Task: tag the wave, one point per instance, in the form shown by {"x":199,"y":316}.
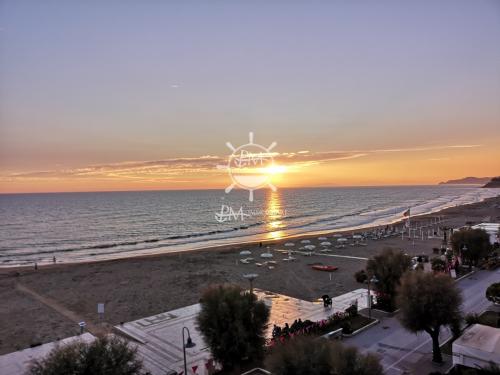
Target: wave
{"x":131,"y":243}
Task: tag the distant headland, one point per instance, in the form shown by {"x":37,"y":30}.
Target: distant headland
{"x":494,"y":183}
{"x":468,"y":181}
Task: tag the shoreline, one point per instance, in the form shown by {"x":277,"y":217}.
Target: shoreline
{"x":136,"y":287}
{"x":235,"y":242}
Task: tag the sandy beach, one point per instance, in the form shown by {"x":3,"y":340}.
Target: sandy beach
{"x":46,"y":304}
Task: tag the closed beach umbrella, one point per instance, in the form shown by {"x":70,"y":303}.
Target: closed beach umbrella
{"x":289,"y":244}
{"x":245,"y":252}
{"x":266,"y":255}
{"x":309,"y":247}
{"x":325,"y":243}
{"x":305,"y":241}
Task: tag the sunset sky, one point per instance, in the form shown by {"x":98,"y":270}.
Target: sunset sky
{"x":133,"y":95}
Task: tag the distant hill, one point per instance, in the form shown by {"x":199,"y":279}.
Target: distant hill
{"x":468,"y":181}
{"x":494,"y":183}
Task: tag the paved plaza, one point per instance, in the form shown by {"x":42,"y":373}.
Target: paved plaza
{"x":159,"y":337}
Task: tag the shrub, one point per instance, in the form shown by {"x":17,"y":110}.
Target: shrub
{"x":361,"y":276}
{"x":103,"y":356}
{"x":491,"y":264}
{"x":493,"y":293}
{"x":352,"y":311}
{"x":310,"y":356}
{"x":477,"y":242}
{"x":471,"y":318}
{"x":346,"y":327}
{"x":438,"y":264}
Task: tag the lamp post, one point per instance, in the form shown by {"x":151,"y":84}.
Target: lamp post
{"x":373,"y":280}
{"x":464,"y":252}
{"x":188,"y":344}
{"x":250,"y":277}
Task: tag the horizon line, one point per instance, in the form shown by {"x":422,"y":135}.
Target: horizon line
{"x":212,"y":189}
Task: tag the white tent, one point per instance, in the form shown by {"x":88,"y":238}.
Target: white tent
{"x":478,"y":346}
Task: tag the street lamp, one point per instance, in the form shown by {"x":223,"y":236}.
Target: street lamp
{"x":188,"y":344}
{"x":250,"y":277}
{"x":373,"y":280}
{"x":464,"y":252}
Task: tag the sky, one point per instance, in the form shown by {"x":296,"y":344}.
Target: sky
{"x":139,"y":95}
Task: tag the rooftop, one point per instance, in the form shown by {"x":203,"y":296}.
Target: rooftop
{"x":484,"y":338}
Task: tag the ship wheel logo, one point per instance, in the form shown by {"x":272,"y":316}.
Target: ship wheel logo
{"x":248,"y":165}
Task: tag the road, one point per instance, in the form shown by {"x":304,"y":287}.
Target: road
{"x":402,"y":352}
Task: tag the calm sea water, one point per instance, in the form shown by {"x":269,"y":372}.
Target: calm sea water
{"x":83,"y":226}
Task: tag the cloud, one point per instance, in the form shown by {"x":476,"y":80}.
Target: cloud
{"x":177,"y":169}
{"x":428,"y":148}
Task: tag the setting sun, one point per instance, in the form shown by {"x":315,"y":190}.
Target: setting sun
{"x":275,"y":169}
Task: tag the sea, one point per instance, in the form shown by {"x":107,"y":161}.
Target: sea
{"x":78,"y":227}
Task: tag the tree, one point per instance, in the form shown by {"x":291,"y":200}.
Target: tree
{"x":428,"y":302}
{"x":438,"y":265}
{"x":493,"y":293}
{"x":388,"y":267}
{"x":316,"y":356}
{"x":103,"y":356}
{"x":476,"y":241}
{"x":232,"y":323}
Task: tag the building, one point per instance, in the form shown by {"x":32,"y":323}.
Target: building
{"x":478,"y":346}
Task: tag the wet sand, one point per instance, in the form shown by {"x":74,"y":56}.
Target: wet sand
{"x":43,"y":305}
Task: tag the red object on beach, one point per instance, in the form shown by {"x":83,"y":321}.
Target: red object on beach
{"x":325,"y":268}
